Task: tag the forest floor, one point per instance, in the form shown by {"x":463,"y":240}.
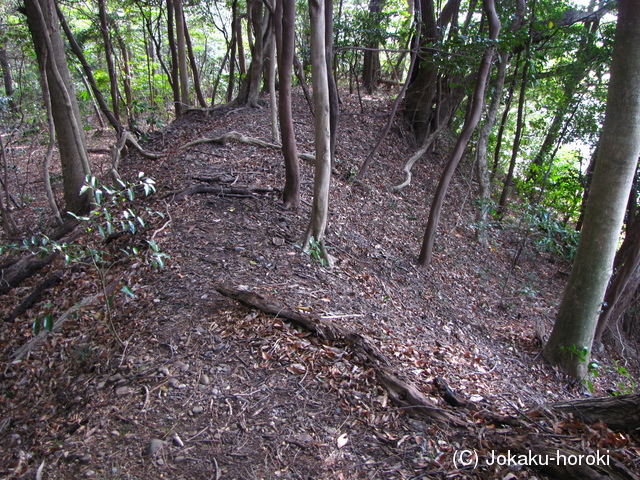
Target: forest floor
{"x":184,"y":383}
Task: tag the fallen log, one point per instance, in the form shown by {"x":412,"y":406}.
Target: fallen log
{"x":222,"y":191}
{"x":621,"y":412}
{"x":402,"y":393}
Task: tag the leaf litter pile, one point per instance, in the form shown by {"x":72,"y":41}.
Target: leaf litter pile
{"x":175,"y":380}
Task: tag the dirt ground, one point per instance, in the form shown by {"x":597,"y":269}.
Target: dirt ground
{"x":180,"y":382}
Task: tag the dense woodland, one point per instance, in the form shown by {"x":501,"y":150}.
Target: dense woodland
{"x":280,"y":239}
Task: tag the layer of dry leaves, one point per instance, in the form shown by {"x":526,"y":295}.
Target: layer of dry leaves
{"x":196,"y":386}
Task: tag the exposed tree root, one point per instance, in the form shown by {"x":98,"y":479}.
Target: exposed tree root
{"x":311,"y":159}
{"x":412,"y":161}
{"x":124,"y":139}
{"x":403,"y":393}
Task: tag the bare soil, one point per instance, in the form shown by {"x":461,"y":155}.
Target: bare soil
{"x":183,"y":383}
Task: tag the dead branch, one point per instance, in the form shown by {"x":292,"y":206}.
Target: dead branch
{"x":237,"y":136}
{"x":34,"y":296}
{"x":403,"y":393}
{"x":87,"y":302}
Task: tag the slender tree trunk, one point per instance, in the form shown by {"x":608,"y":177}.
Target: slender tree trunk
{"x":482,"y":169}
{"x":275,"y":127}
{"x":322,"y":178}
{"x":197,"y":86}
{"x":173,"y":48}
{"x":108,"y":53}
{"x":334,"y":110}
{"x":285,"y":39}
{"x":242,"y":65}
{"x":515,"y":150}
{"x":7,"y":77}
{"x":232,"y":59}
{"x":75,"y":48}
{"x":477,"y":103}
{"x":569,"y":345}
{"x":49,"y":47}
{"x":503,"y":120}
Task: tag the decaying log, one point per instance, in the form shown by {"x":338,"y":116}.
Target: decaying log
{"x":237,"y":136}
{"x":223,"y":191}
{"x":34,"y":296}
{"x":619,"y":413}
{"x":402,"y":393}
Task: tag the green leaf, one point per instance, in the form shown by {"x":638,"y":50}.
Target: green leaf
{"x":126,"y":289}
{"x":48,"y":322}
{"x":37,"y":324}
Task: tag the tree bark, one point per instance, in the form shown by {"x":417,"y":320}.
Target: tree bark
{"x":322,"y":178}
{"x":577,"y":317}
{"x":49,"y":47}
{"x":249,"y":93}
{"x":181,"y":45}
{"x":285,"y":40}
{"x":477,"y":103}
{"x":197,"y":86}
{"x":334,"y":111}
{"x":371,"y":56}
{"x":175,"y":70}
{"x":108,"y":53}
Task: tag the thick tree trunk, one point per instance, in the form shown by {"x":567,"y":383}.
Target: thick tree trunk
{"x":250,"y":88}
{"x":626,"y":263}
{"x":49,"y":47}
{"x":477,"y":103}
{"x":285,"y":40}
{"x":322,"y":178}
{"x":371,"y":56}
{"x":181,"y":45}
{"x":569,"y":345}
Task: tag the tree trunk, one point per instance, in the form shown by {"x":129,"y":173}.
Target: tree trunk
{"x":77,"y":50}
{"x":334,"y":111}
{"x":250,"y":89}
{"x":285,"y":40}
{"x":232,"y":60}
{"x":626,"y":264}
{"x":322,"y":178}
{"x":49,"y":48}
{"x":175,"y":70}
{"x":7,"y":77}
{"x":108,"y":53}
{"x":371,"y":56}
{"x":515,"y":150}
{"x":477,"y":103}
{"x":482,"y":169}
{"x":569,"y":345}
{"x":194,"y":67}
{"x":181,"y":45}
